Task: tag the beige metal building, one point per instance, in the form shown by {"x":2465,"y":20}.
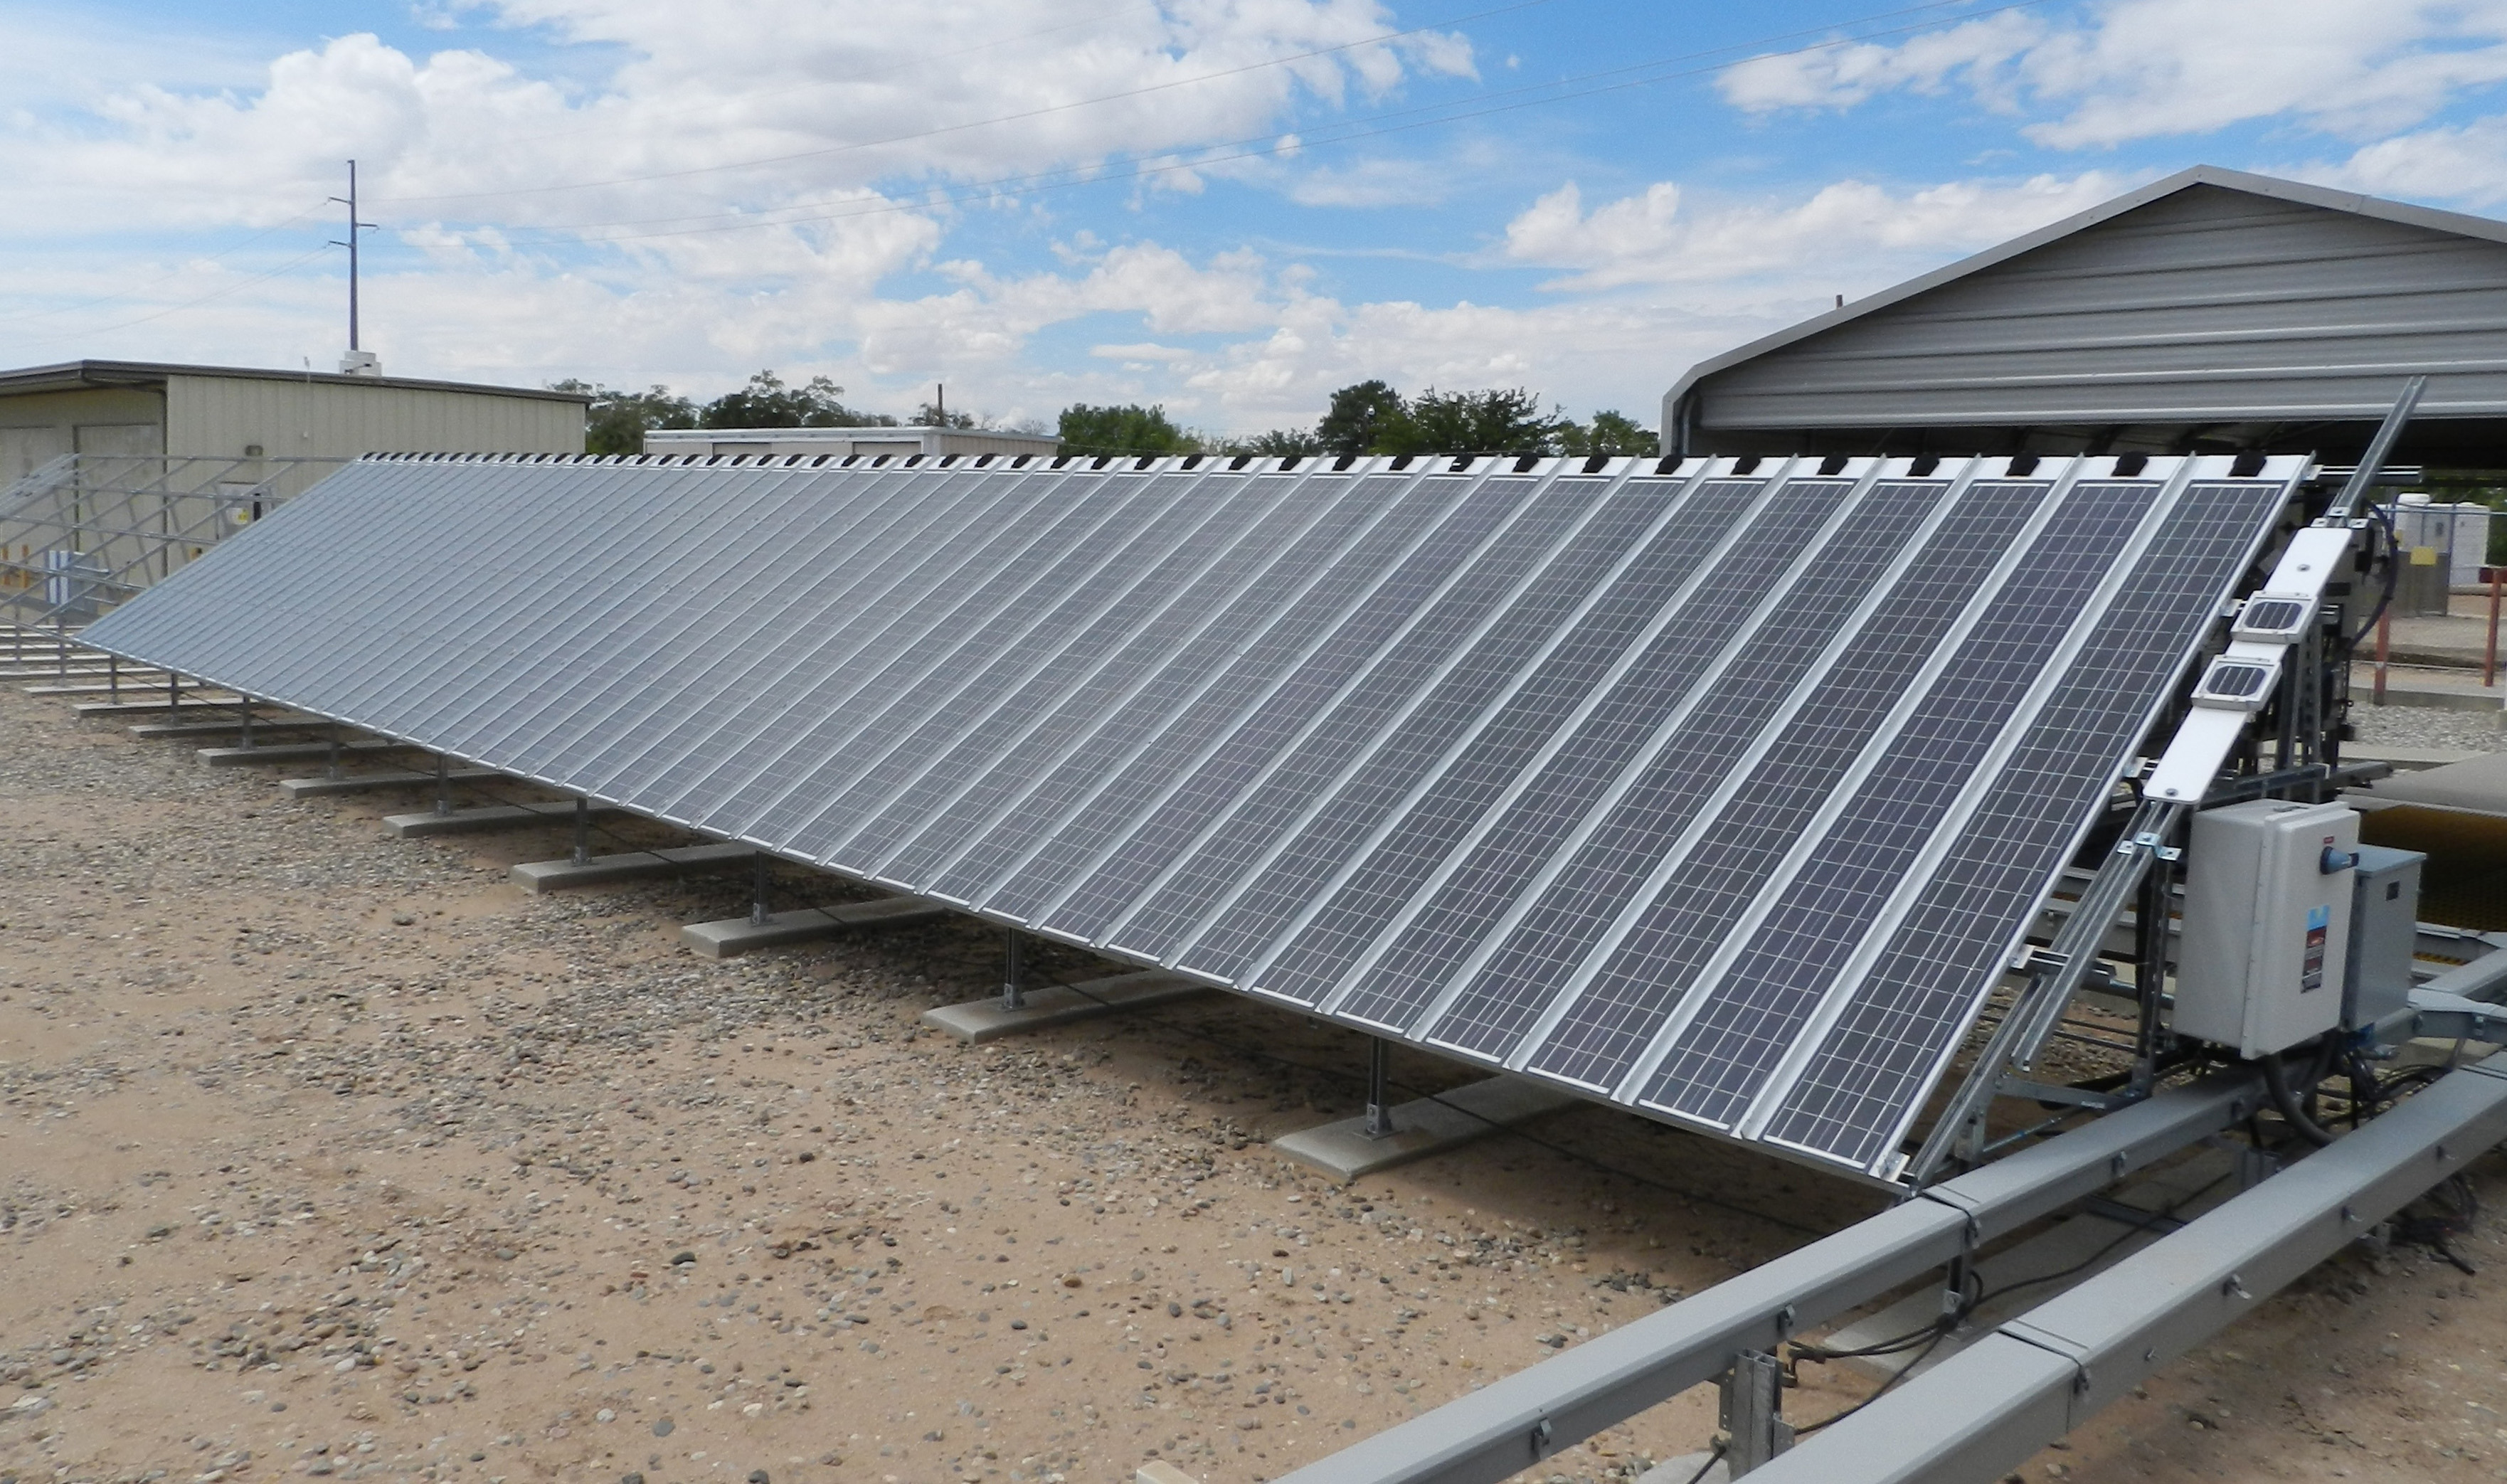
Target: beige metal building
{"x":230,"y":412}
{"x":779,"y":441}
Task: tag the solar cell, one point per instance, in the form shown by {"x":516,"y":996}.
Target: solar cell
{"x":1251,"y":703}
{"x":1649,"y":820}
{"x":1515,"y":852}
{"x":1699,"y":895}
{"x":1873,"y":1066}
{"x":1724,"y":792}
{"x":1344,"y":816}
{"x":1391,"y":598}
{"x":1349,"y":732}
{"x":1164,"y":707}
{"x":1171,"y":643}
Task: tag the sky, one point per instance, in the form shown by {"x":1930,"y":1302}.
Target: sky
{"x":1226,"y":208}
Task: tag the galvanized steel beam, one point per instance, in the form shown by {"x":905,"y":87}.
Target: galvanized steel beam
{"x":1513,"y":1424}
{"x":1991,"y":1407}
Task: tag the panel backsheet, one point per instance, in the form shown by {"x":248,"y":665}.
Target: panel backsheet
{"x":1719,"y":791}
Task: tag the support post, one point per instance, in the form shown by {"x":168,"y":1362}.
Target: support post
{"x":582,"y":831}
{"x":2385,"y":644}
{"x":443,"y":784}
{"x":2149,"y":969}
{"x":1749,"y":1407}
{"x":1014,"y":970}
{"x":113,"y":661}
{"x":759,"y":911}
{"x":1379,"y":1087}
{"x":1961,"y":1126}
{"x":330,"y":759}
{"x":243,"y":710}
{"x":2498,"y":576}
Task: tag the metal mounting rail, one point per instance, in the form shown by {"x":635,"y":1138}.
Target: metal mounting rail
{"x":1988,"y":1409}
{"x":2057,"y":976}
{"x":1513,"y":1424}
{"x":2365,"y":475}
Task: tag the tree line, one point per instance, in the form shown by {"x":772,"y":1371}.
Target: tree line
{"x":1365,"y":418}
{"x":1372,"y":418}
{"x":617,"y":420}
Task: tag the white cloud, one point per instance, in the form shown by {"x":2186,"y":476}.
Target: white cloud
{"x":800,"y":104}
{"x":1377,"y":182}
{"x":2465,"y":164}
{"x":1842,"y":75}
{"x":1851,"y":236}
{"x":2137,"y":70}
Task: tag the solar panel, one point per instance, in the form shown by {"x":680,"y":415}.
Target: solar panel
{"x":1722,"y":791}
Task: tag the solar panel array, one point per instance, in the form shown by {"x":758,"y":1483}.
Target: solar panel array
{"x":1722,"y":790}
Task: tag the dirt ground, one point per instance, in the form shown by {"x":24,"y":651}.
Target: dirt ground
{"x":329,"y":1154}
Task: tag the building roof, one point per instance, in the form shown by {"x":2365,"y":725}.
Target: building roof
{"x":79,"y":376}
{"x":2243,"y":299}
{"x":846,"y":434}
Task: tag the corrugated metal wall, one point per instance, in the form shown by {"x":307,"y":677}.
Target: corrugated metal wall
{"x":226,"y":414}
{"x":39,"y":427}
{"x":2208,"y":305}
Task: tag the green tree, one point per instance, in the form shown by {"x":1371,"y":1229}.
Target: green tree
{"x":766,"y":402}
{"x":1611,"y":432}
{"x":1128,"y":429}
{"x":1279,"y":443}
{"x":616,"y":421}
{"x":931,"y":415}
{"x":1506,"y":420}
{"x":1360,"y":418}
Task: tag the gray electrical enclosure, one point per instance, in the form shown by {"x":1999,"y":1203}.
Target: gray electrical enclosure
{"x":2267,"y":923}
{"x":2385,"y":912}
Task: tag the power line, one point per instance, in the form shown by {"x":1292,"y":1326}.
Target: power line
{"x":191,"y":304}
{"x":134,"y":292}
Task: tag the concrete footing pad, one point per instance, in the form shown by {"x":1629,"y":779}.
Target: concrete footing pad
{"x":382,"y":778}
{"x":104,"y":686}
{"x":631,"y":865}
{"x":294,"y":753}
{"x":1424,"y":1125}
{"x":151,"y":729}
{"x":488,"y":816}
{"x":1054,"y":1004}
{"x":191,"y":701}
{"x":82,"y":668}
{"x":2468,"y":699}
{"x":733,"y":936}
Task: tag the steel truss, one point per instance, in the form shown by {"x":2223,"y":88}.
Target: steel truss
{"x":87,"y":531}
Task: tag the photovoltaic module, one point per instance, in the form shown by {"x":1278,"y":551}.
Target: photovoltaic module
{"x":1720,"y":790}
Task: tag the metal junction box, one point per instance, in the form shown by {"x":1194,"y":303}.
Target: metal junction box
{"x":2384,"y":928}
{"x":2267,"y":889}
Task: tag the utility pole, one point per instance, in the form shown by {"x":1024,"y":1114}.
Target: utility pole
{"x":355,"y":227}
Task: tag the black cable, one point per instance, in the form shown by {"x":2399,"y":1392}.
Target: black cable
{"x":1886,"y":1386}
{"x":1714,"y":1456}
{"x":2437,"y":1231}
{"x":2286,"y":1099}
{"x":2383,"y":517}
{"x":2163,"y":1214}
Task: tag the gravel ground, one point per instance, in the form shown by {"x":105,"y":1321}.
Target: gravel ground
{"x":2425,"y":725}
{"x":327,"y":1154}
